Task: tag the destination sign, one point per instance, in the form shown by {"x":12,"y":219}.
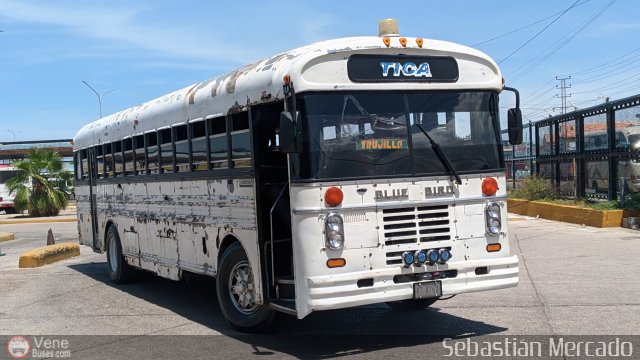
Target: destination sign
{"x":394,"y":68}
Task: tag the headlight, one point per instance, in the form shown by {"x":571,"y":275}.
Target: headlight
{"x":492,"y":214}
{"x":334,"y":231}
{"x":494,"y":226}
{"x":493,"y":210}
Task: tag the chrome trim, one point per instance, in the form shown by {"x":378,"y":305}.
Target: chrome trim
{"x":400,"y":204}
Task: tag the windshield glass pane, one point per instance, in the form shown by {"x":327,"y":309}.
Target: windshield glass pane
{"x":461,"y":123}
{"x":365,"y":134}
{"x":354,"y":135}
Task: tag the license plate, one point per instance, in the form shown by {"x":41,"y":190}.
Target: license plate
{"x":426,"y":290}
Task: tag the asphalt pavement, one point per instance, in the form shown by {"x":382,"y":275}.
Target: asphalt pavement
{"x":574,"y":280}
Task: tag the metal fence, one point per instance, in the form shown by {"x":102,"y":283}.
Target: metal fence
{"x":591,"y":152}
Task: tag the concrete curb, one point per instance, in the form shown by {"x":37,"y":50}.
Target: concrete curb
{"x":37,"y":221}
{"x":48,"y":255}
{"x":6,"y":236}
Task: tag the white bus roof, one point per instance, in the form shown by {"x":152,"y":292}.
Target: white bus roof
{"x":320,"y":66}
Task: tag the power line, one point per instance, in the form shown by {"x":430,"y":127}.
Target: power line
{"x":525,"y":27}
{"x":547,"y":53}
{"x":540,"y":32}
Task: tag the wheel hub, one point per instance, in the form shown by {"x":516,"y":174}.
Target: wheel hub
{"x":242,"y":288}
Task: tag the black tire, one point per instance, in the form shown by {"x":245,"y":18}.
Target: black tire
{"x":119,"y":271}
{"x":241,"y":312}
{"x":412,"y":305}
{"x":11,"y":211}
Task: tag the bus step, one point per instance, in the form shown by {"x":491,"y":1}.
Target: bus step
{"x":285,"y":288}
{"x":285,"y":306}
{"x":287,"y":280}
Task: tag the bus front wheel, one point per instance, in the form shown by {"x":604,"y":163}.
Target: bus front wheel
{"x":119,"y":271}
{"x":411,"y":305}
{"x":237,"y":295}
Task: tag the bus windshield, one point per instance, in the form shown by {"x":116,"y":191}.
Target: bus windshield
{"x":373,"y":134}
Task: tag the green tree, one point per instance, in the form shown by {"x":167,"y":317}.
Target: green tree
{"x":41,"y":186}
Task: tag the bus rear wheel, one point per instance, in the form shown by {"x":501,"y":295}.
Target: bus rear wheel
{"x":237,"y":295}
{"x":411,"y":305}
{"x":119,"y":271}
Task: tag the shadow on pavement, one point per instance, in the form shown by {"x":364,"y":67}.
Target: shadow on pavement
{"x":319,"y":335}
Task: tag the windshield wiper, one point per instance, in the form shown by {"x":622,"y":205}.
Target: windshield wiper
{"x":442,"y":157}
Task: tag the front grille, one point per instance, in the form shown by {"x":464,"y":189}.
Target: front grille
{"x":414,"y":225}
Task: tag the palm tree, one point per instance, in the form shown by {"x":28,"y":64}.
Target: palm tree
{"x":41,"y":185}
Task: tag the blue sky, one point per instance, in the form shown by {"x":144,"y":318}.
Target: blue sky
{"x":143,"y":49}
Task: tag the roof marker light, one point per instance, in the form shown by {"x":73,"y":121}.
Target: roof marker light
{"x":386,"y":41}
{"x":403,"y":42}
{"x":419,"y":42}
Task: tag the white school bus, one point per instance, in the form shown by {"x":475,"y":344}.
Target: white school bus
{"x":343,"y":173}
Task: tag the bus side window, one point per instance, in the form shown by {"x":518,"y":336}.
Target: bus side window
{"x":85,"y":165}
{"x":152,"y":152}
{"x":166,"y":150}
{"x":117,"y":158}
{"x":98,"y":150}
{"x":240,"y":140}
{"x":199,"y":146}
{"x":218,"y":141}
{"x":138,"y":150}
{"x":128,"y":156}
{"x":108,"y":160}
{"x":182,"y":148}
{"x":78,"y":160}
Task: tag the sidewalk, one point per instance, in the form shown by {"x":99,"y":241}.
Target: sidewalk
{"x":66,"y":215}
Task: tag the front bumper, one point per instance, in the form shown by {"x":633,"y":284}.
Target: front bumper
{"x":341,"y":291}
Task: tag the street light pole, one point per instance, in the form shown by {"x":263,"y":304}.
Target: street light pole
{"x":98,"y":95}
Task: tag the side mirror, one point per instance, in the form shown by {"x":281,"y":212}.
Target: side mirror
{"x":514,"y":126}
{"x":288,"y":133}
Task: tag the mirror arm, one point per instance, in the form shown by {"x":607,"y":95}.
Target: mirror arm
{"x":516,"y":92}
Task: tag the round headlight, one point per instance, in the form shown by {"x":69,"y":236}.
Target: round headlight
{"x":421,"y":257}
{"x":493,"y":210}
{"x":432,"y":256}
{"x":334,"y":222}
{"x":494,"y":226}
{"x":335,"y":240}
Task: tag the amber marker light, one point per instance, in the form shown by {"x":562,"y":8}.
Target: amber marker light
{"x":489,"y":186}
{"x":419,"y":42}
{"x":386,"y":41}
{"x":494,"y":247}
{"x":286,"y":79}
{"x":403,"y":42}
{"x":333,"y":196}
{"x":334,"y":263}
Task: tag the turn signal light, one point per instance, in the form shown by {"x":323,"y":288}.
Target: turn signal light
{"x":386,"y":41}
{"x":286,"y":79}
{"x":333,"y":196}
{"x":494,"y":247}
{"x":489,"y":186}
{"x":334,"y":263}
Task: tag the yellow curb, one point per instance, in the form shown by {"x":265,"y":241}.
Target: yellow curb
{"x":6,"y":236}
{"x":36,"y":221}
{"x":48,"y":255}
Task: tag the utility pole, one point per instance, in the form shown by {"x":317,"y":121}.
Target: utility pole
{"x":563,"y":91}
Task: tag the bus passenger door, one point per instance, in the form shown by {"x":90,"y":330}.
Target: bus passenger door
{"x":93,"y":175}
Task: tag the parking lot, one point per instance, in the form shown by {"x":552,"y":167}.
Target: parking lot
{"x":574,"y":280}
